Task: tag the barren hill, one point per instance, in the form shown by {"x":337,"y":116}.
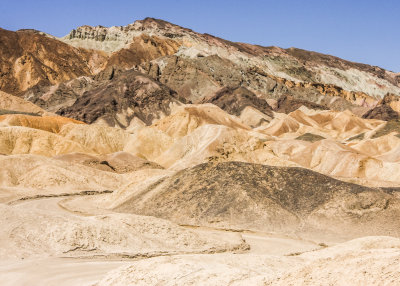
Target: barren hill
{"x":250,"y":196}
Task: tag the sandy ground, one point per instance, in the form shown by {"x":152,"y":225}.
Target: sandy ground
{"x":55,"y":271}
{"x":42,"y":270}
{"x":263,"y":259}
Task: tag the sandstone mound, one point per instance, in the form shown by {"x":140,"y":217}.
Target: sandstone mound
{"x":148,"y":143}
{"x":24,"y":140}
{"x":338,"y":160}
{"x":251,"y":196}
{"x":47,"y":123}
{"x":218,"y":143}
{"x":377,"y":146}
{"x":117,"y":101}
{"x":120,"y":162}
{"x":328,"y":124}
{"x":190,"y":127}
{"x":187,"y":118}
{"x":30,"y":233}
{"x":13,"y":103}
{"x":254,"y":118}
{"x":210,"y":270}
{"x":31,"y":175}
{"x":96,"y":138}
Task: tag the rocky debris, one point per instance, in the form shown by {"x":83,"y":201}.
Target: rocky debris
{"x":51,"y":124}
{"x":315,"y":59}
{"x":295,"y":65}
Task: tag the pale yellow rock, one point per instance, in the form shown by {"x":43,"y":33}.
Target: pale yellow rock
{"x":97,"y":138}
{"x":24,"y":140}
{"x":10,"y":102}
{"x":47,"y":123}
{"x":187,"y":118}
{"x":328,"y":124}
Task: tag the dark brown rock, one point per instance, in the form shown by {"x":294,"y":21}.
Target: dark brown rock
{"x":287,"y":104}
{"x":130,"y":94}
{"x":234,"y":99}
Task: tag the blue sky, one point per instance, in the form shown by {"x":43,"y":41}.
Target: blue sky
{"x":362,"y":31}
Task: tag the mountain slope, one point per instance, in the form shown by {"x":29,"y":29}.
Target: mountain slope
{"x":290,"y":64}
{"x":128,"y":95}
{"x":29,"y":57}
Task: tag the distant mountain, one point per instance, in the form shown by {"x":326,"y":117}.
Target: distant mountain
{"x":291,"y":64}
{"x":195,"y":65}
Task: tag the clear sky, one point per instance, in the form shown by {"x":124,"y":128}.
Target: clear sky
{"x":364,"y":31}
